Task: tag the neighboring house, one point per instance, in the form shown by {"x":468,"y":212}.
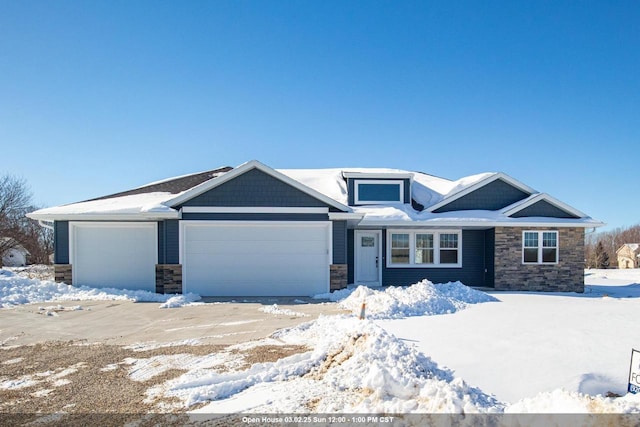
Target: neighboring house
{"x":15,"y":256}
{"x":253,"y":230}
{"x":628,"y":255}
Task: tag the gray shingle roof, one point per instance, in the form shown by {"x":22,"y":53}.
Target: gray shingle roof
{"x":172,"y":185}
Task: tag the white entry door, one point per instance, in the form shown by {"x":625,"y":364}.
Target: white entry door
{"x":368,"y":257}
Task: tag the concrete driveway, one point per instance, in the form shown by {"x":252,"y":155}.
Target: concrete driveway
{"x":223,"y":322}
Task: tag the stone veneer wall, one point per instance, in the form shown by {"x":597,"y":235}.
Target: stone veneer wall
{"x":338,"y":276}
{"x":169,"y":278}
{"x":565,"y":276}
{"x":63,"y":273}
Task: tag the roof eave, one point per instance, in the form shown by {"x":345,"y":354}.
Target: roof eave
{"x":478,"y":223}
{"x":141,"y":216}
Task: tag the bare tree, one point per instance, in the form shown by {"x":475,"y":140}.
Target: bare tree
{"x":15,"y":202}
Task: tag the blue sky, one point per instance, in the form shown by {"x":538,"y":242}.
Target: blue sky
{"x":102,"y":96}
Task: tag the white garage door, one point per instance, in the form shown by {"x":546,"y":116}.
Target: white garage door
{"x":224,"y":258}
{"x":119,"y":255}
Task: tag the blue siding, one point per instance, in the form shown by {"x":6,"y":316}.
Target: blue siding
{"x":493,"y":196}
{"x":168,"y":242}
{"x":351,"y":189}
{"x":489,"y":257}
{"x":161,"y":243}
{"x":472,"y":272}
{"x":256,"y":188}
{"x":339,"y":242}
{"x":351,"y":250}
{"x":61,"y":242}
{"x":544,"y":209}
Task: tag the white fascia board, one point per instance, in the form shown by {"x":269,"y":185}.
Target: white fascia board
{"x":378,"y":175}
{"x":250,"y":209}
{"x":338,"y":216}
{"x":488,"y":180}
{"x":522,"y":204}
{"x":578,"y":223}
{"x":146,"y":216}
{"x":245,"y":167}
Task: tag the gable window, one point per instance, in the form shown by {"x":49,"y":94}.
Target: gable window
{"x":540,"y":247}
{"x":419,"y":248}
{"x":369,"y":192}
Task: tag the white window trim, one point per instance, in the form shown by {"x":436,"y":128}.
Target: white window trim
{"x":541,"y":246}
{"x":356,"y":191}
{"x":412,"y":248}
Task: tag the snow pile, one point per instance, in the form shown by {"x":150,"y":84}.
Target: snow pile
{"x":274,"y":309}
{"x":181,"y":300}
{"x":565,"y":402}
{"x":420,"y":299}
{"x":16,"y":290}
{"x":355,"y":366}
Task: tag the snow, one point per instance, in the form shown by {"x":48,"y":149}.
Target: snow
{"x":355,"y":366}
{"x":421,"y":299}
{"x":16,"y":290}
{"x":131,"y":204}
{"x":274,"y":309}
{"x":427,"y":348}
{"x":531,"y":343}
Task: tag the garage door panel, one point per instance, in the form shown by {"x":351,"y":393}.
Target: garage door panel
{"x":256,"y":258}
{"x":236,"y":247}
{"x":119,"y":255}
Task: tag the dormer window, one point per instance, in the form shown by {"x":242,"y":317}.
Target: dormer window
{"x":373,"y":192}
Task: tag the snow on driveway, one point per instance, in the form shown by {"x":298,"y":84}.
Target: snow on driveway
{"x":442,"y":348}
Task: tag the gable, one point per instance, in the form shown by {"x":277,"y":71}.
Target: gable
{"x":492,"y":196}
{"x":255,"y":188}
{"x":543,"y":208}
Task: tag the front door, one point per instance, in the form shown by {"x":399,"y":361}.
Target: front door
{"x":368,"y":257}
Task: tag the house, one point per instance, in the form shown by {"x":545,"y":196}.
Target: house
{"x":15,"y":256}
{"x":628,"y":255}
{"x":253,"y":230}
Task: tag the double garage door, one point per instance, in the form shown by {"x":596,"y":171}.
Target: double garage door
{"x":219,"y":258}
{"x":227,"y":258}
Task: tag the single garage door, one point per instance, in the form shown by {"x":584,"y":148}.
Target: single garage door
{"x":119,"y":255}
{"x":237,"y":258}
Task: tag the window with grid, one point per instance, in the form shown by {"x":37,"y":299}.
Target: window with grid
{"x":540,"y":247}
{"x":448,"y":248}
{"x":417,"y":248}
{"x":400,"y":248}
{"x":424,"y":249}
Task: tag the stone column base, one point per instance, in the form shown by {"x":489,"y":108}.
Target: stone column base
{"x":169,"y":278}
{"x":338,"y":276}
{"x":63,"y":273}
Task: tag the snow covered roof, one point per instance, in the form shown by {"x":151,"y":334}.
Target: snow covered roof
{"x":161,"y":199}
{"x":633,"y":247}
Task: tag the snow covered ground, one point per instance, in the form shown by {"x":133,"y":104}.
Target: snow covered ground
{"x":427,"y":348}
{"x":527,"y":343}
{"x":16,"y":289}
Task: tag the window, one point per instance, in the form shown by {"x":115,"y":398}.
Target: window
{"x":424,"y":249}
{"x":400,"y":248}
{"x":448,"y":248}
{"x":417,"y":248}
{"x":378,"y":191}
{"x":540,"y":247}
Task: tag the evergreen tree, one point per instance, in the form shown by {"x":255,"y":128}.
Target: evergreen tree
{"x":601,"y":256}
